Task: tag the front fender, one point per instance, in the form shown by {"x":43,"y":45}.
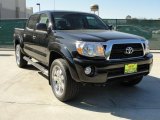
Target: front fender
{"x":65,"y":53}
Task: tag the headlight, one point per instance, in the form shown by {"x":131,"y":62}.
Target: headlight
{"x":90,"y":49}
{"x":146,"y":47}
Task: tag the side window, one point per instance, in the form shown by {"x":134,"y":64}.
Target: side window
{"x":44,"y":19}
{"x":32,"y":21}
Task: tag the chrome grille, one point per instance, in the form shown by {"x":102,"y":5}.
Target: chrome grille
{"x":115,"y":49}
{"x":118,"y":51}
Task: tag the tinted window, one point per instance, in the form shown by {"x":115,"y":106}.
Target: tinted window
{"x":75,"y":21}
{"x":93,"y":22}
{"x":32,"y":21}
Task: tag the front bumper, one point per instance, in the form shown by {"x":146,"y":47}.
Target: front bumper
{"x":108,"y":70}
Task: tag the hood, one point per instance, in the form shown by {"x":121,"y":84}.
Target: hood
{"x":97,"y":35}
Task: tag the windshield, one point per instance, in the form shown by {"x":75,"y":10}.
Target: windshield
{"x":77,"y":21}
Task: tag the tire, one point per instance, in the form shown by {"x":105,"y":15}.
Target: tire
{"x":19,"y":57}
{"x":63,"y":86}
{"x":132,"y":82}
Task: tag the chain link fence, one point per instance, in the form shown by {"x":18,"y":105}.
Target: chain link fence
{"x":149,"y":29}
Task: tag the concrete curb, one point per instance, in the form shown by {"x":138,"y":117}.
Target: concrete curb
{"x":6,"y":47}
{"x":155,"y":51}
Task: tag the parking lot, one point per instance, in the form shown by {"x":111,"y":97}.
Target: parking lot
{"x":26,"y":95}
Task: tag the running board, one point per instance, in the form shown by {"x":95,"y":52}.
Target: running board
{"x":38,"y":66}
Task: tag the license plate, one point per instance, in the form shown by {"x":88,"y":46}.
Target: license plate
{"x":130,"y":68}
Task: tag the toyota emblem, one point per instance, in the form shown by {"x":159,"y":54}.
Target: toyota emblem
{"x":129,"y":50}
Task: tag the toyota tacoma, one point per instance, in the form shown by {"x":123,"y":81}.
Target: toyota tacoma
{"x":74,"y":48}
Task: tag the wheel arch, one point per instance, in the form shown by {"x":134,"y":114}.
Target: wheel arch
{"x":57,"y":51}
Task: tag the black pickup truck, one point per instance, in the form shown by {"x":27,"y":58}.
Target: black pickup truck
{"x":74,"y":48}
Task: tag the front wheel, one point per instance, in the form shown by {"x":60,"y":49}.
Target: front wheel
{"x":63,"y":86}
{"x":133,"y":81}
{"x":19,"y":57}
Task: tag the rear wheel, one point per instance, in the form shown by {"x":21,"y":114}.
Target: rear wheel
{"x":63,"y":86}
{"x":19,"y":57}
{"x":133,"y":81}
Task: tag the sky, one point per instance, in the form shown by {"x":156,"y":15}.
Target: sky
{"x":116,"y":9}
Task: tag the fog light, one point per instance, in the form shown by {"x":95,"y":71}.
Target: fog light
{"x":88,"y":70}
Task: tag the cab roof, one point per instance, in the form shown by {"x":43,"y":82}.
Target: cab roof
{"x":60,"y":11}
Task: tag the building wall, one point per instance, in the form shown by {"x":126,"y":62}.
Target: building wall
{"x":12,"y":9}
{"x":22,"y":5}
{"x":29,"y":11}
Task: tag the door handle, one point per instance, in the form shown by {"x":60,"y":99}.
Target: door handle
{"x":24,"y":35}
{"x":34,"y":37}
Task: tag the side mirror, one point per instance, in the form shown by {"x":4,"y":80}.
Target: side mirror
{"x":110,"y":27}
{"x":41,"y":26}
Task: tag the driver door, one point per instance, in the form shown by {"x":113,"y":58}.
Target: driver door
{"x":42,"y":38}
